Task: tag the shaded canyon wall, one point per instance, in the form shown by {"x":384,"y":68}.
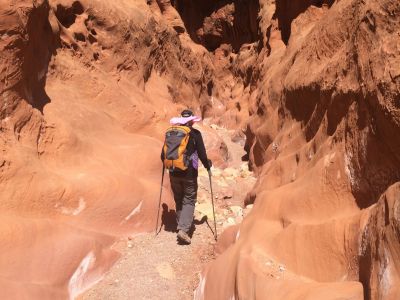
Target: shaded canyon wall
{"x":323,"y":137}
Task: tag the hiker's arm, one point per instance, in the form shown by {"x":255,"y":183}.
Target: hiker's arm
{"x":162,"y":154}
{"x":201,"y":151}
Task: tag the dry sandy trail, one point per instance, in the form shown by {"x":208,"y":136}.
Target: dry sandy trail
{"x":156,"y":267}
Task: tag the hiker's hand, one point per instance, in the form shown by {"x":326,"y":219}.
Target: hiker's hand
{"x":209,"y":172}
{"x":209,"y":163}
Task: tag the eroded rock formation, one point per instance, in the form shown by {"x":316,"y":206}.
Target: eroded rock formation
{"x":87,"y":87}
{"x":323,"y":136}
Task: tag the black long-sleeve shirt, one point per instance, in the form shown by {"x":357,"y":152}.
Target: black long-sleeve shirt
{"x":195,"y":143}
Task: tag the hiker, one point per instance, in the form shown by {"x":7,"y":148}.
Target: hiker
{"x":181,"y":152}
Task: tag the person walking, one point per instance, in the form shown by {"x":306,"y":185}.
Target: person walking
{"x":183,"y":147}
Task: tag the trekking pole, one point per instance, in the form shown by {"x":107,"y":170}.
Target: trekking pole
{"x":159,"y":202}
{"x":212,"y":201}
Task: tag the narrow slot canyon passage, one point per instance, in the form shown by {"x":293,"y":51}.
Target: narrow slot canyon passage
{"x":300,"y":109}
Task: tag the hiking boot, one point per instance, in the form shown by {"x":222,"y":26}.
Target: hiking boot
{"x":184,"y":237}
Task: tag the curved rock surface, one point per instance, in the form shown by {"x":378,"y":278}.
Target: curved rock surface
{"x":323,"y":136}
{"x":87,"y":88}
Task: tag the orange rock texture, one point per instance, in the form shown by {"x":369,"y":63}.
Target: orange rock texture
{"x":324,"y":137}
{"x":87,"y":88}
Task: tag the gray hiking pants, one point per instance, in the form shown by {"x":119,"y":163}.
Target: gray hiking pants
{"x":185,"y":195}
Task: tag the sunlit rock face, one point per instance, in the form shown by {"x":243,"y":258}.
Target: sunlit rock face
{"x":323,"y":137}
{"x":87,"y":89}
